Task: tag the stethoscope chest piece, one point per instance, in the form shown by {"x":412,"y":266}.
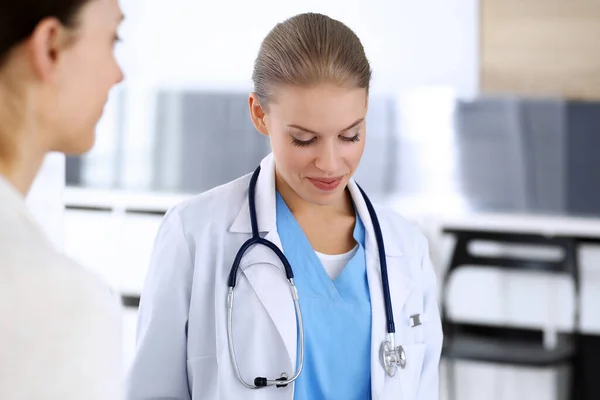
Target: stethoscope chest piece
{"x":392,"y":357}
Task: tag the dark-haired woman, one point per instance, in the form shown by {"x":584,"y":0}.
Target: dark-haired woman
{"x":59,"y":325}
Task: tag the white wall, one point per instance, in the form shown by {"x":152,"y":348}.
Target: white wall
{"x":431,"y":43}
{"x":410,"y":44}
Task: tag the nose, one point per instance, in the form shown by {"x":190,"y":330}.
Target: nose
{"x":328,"y":158}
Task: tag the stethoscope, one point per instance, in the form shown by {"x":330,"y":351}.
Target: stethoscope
{"x":391,"y":356}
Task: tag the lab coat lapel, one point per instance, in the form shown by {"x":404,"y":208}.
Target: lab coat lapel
{"x":261,"y":266}
{"x":266,"y":275}
{"x":400,"y":284}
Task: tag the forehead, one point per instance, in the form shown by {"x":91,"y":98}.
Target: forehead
{"x":101,"y":14}
{"x":322,"y":107}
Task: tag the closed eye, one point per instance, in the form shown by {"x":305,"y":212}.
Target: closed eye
{"x":352,"y":139}
{"x":303,"y":143}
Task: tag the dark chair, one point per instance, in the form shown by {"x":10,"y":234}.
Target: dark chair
{"x":502,"y":345}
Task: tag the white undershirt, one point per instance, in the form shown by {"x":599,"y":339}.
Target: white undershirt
{"x":335,"y":263}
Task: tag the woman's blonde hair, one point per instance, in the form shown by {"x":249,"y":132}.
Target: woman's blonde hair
{"x":306,"y":50}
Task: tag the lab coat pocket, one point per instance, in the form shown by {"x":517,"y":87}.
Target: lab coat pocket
{"x":203,"y":377}
{"x":410,"y":376}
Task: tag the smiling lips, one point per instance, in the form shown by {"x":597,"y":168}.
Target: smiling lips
{"x":326,"y":184}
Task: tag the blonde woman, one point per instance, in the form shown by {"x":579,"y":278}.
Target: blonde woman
{"x":287,"y":283}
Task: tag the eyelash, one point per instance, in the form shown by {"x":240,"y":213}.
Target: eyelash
{"x":304,"y":143}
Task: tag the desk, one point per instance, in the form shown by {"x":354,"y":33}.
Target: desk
{"x":551,"y":294}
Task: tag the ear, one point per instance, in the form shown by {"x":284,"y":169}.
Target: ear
{"x":45,"y":46}
{"x":257,"y":114}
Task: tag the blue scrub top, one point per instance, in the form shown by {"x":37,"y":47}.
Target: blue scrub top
{"x":336,"y":315}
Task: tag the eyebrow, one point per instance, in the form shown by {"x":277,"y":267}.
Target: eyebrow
{"x":355,"y":123}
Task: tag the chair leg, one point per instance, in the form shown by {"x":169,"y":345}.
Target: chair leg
{"x":451,"y":380}
{"x":576,"y":380}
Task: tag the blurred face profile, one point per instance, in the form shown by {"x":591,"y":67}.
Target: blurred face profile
{"x":85,"y":72}
{"x":318,"y":137}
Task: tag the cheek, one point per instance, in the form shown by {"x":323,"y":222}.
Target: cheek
{"x":95,"y":68}
{"x":292,"y":160}
{"x":359,"y":153}
{"x":99,"y":75}
{"x":354,"y":153}
{"x":85,"y":81}
{"x":78,"y":82}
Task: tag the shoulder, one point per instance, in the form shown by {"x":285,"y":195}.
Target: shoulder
{"x":37,"y":280}
{"x":218,"y":205}
{"x":397,"y":227}
{"x":407,"y":240}
{"x":43,"y":266}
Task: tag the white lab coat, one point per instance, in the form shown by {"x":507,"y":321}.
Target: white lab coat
{"x":186,"y":290}
{"x":60,"y":330}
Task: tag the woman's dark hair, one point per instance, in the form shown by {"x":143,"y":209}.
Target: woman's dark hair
{"x":18,"y":19}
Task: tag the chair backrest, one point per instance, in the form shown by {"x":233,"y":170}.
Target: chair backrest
{"x":463,"y":257}
{"x":492,"y":163}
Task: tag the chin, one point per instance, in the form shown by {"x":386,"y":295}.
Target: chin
{"x":324,"y":199}
{"x":77,"y":145}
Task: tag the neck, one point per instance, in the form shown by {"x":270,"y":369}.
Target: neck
{"x":21,"y":149}
{"x":20,"y":169}
{"x":299,"y":207}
